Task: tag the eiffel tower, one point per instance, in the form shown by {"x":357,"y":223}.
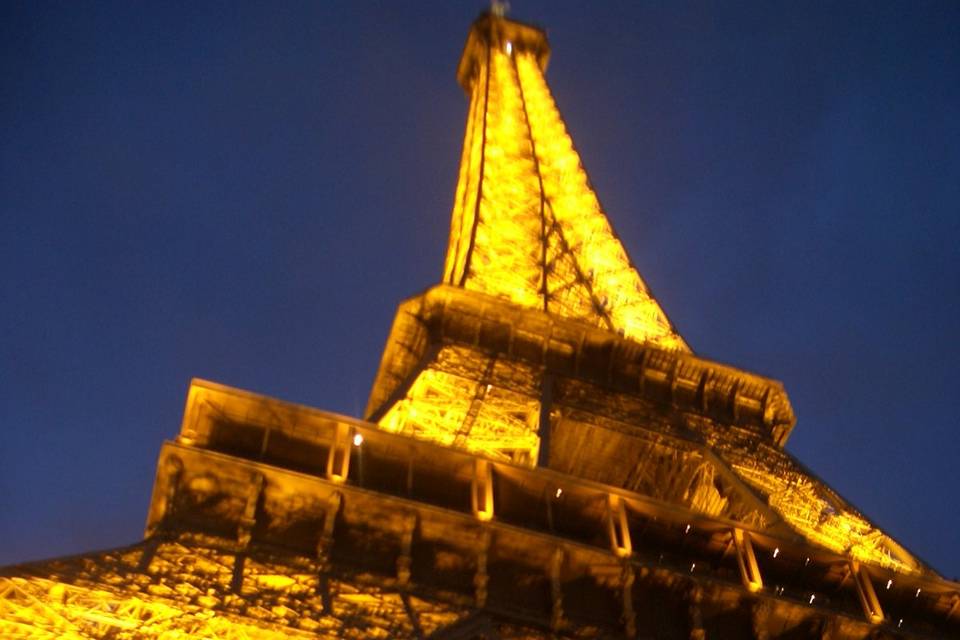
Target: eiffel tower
{"x":542,"y":456}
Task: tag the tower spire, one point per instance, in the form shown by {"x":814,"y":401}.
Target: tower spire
{"x":526,"y":224}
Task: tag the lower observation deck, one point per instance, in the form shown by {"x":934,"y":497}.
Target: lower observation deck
{"x":281,"y":520}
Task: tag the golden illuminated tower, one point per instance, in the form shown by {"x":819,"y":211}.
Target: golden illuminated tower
{"x":542,"y":456}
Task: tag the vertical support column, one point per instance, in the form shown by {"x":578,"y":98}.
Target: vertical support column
{"x":245,"y":529}
{"x":405,"y":559}
{"x":556,"y":589}
{"x":642,"y":373}
{"x":546,"y":401}
{"x":747,"y":561}
{"x":703,"y":390}
{"x":481,"y":578}
{"x":627,"y":578}
{"x":674,"y":379}
{"x":734,"y":399}
{"x":409,"y":480}
{"x":760,"y":612}
{"x":482,"y":490}
{"x":324,"y":543}
{"x":168,"y":479}
{"x":695,"y":598}
{"x":325,"y":536}
{"x":150,"y":547}
{"x":617,"y":527}
{"x":766,"y":408}
{"x":338,"y":460}
{"x":622,"y":546}
{"x":866,"y":593}
{"x":249,"y":517}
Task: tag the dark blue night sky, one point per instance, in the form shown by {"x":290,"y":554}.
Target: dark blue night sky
{"x":244,"y":192}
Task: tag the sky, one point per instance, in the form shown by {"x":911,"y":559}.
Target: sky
{"x":243,"y":192}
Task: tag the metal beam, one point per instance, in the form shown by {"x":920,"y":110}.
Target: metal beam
{"x":866,"y":593}
{"x":747,"y":561}
{"x":617,"y":527}
{"x":481,"y":494}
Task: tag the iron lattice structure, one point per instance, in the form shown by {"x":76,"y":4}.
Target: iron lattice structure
{"x":526,"y":225}
{"x":542,"y":456}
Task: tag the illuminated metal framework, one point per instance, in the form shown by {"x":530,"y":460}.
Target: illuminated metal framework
{"x":526,"y":225}
{"x":465,"y":370}
{"x":534,"y":264}
{"x":542,"y":456}
{"x":273,"y":520}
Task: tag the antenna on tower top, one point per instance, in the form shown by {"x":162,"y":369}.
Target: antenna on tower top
{"x":498,"y":8}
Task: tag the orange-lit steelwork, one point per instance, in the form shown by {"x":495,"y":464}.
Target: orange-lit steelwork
{"x":542,"y":457}
{"x":526,"y":225}
{"x":528,"y":229}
